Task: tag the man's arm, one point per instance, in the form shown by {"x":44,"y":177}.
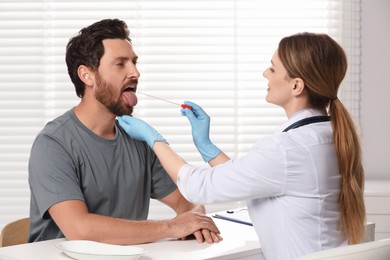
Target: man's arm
{"x":75,"y":222}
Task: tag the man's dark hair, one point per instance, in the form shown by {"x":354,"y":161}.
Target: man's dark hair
{"x":87,"y":47}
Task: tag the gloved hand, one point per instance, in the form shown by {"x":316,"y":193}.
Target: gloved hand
{"x":200,"y":124}
{"x":140,"y":130}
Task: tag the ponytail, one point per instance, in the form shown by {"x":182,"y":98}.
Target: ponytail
{"x":352,"y":209}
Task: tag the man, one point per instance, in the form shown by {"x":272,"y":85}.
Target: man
{"x":89,"y":180}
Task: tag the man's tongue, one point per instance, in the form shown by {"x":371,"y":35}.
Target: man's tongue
{"x":130,"y":98}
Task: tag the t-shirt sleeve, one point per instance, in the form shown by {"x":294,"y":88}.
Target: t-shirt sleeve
{"x":162,"y":184}
{"x":53,"y":175}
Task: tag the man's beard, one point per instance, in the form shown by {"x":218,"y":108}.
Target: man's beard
{"x":105,"y":94}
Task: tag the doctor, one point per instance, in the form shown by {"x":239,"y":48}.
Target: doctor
{"x":304,"y":184}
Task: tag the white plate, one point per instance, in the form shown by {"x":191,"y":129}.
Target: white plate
{"x":90,"y":250}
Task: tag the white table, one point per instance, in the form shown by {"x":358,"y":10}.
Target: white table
{"x":239,"y":242}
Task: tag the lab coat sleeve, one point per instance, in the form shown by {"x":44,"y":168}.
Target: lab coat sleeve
{"x":260,"y":173}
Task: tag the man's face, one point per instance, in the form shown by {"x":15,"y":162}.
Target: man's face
{"x":117,"y":77}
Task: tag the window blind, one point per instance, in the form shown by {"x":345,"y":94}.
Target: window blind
{"x":211,"y":52}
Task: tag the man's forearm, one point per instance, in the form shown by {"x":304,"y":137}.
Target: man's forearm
{"x":185,"y":206}
{"x":75,"y":222}
{"x":120,"y":231}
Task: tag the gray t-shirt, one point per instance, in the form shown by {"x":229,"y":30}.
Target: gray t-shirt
{"x":113,"y":177}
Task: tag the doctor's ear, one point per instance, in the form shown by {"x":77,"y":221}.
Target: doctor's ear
{"x":298,"y":87}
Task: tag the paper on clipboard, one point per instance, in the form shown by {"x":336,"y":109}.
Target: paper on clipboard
{"x":238,"y":215}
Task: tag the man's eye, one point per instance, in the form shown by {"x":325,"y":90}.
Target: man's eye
{"x":119,"y":64}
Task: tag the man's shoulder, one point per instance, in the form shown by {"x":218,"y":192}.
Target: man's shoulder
{"x":59,"y":129}
{"x":57,"y":124}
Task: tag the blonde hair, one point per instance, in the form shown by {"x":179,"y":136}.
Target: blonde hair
{"x":322,"y":64}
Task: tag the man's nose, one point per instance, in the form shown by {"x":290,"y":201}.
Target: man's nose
{"x":133,"y":72}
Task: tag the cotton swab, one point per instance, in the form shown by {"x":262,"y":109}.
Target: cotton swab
{"x":162,"y":99}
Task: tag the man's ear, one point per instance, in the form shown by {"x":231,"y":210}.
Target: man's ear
{"x":299,"y":87}
{"x":85,"y":74}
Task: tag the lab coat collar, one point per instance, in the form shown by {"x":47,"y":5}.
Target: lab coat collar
{"x":301,"y":114}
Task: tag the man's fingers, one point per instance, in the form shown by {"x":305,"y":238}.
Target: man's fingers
{"x":199,"y":236}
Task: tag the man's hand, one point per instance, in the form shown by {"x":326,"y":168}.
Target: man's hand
{"x":198,"y":224}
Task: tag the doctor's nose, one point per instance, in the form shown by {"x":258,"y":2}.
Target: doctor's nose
{"x":265,"y":73}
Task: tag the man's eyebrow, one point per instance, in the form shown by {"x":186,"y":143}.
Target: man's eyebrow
{"x":120,"y":58}
{"x":135,"y":58}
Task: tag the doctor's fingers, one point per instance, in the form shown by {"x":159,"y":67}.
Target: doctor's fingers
{"x":189,"y":114}
{"x":196,"y":110}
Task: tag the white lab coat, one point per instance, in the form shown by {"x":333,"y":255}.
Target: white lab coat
{"x":291,"y":183}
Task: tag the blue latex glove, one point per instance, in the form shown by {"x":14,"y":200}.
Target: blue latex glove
{"x":200,"y":124}
{"x":140,"y":130}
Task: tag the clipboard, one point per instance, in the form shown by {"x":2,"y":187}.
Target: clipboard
{"x":240,"y":216}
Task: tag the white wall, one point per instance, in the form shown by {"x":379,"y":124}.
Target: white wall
{"x":375,"y":105}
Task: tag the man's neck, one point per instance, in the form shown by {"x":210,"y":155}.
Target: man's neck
{"x":96,"y":118}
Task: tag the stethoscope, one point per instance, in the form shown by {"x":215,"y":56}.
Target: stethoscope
{"x":307,"y":121}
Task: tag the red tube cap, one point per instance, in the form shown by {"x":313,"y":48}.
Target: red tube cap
{"x":186,"y":106}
